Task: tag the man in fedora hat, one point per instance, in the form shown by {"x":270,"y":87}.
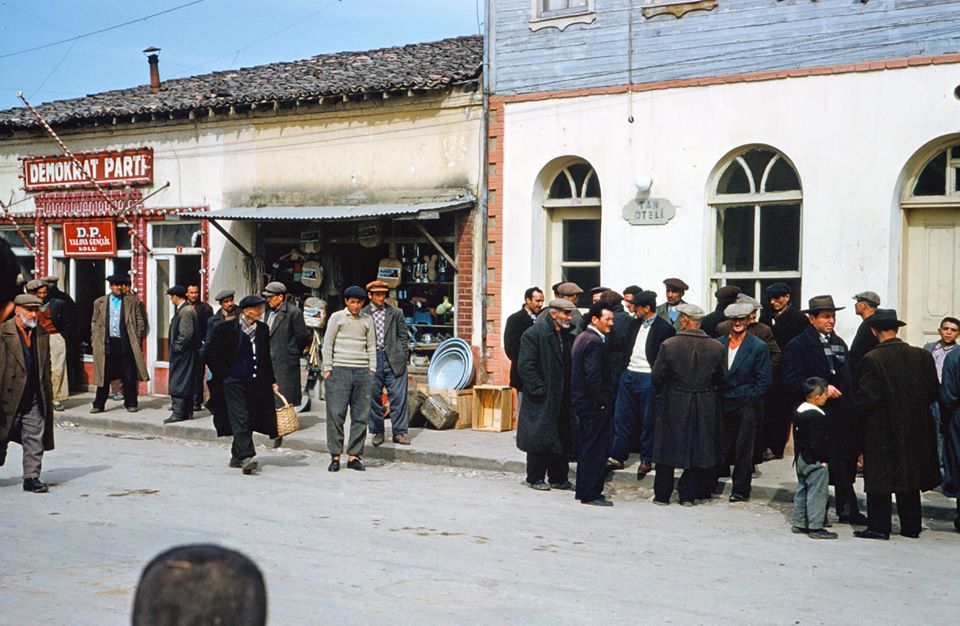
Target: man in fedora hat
{"x":818,"y":351}
{"x":26,"y":410}
{"x":544,"y":430}
{"x":393,"y":350}
{"x":897,"y":385}
{"x":675,"y":289}
{"x":184,"y":350}
{"x":118,"y":327}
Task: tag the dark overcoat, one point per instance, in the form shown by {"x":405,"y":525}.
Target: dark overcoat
{"x":786,"y":327}
{"x":618,"y":342}
{"x":544,"y":366}
{"x":289,"y":336}
{"x":688,"y":374}
{"x":396,"y":343}
{"x":13,"y":381}
{"x":591,"y":385}
{"x":184,"y":341}
{"x":517,"y":324}
{"x":897,"y":385}
{"x":863,"y":342}
{"x":220,"y":357}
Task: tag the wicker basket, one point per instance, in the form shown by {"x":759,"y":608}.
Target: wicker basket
{"x":287,"y":421}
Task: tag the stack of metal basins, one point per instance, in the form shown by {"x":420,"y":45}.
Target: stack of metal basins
{"x":451,"y":366}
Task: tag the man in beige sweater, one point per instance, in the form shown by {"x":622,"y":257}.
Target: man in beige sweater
{"x":349,"y":365}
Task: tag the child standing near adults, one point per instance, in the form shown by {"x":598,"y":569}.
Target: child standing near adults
{"x":811,"y":452}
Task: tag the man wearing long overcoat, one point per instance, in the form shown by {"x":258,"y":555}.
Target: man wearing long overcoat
{"x":242,"y":382}
{"x":26,"y":407}
{"x":117,"y":330}
{"x":544,"y":426}
{"x":393,"y":350}
{"x":288,"y":338}
{"x":819,"y":351}
{"x":184,"y":348}
{"x":687,"y":374}
{"x":897,"y":385}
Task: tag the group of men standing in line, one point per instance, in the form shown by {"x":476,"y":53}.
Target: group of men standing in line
{"x":709,"y":392}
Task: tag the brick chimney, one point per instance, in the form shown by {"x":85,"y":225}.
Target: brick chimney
{"x":154,"y":60}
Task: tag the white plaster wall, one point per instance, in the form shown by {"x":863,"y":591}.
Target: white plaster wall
{"x":850,"y":137}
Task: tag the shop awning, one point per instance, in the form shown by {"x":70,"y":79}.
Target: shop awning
{"x":418,"y":210}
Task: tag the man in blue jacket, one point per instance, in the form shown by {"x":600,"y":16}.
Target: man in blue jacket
{"x":748,"y":376}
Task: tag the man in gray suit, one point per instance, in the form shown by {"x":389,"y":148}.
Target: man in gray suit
{"x":288,"y":338}
{"x":392,"y":352}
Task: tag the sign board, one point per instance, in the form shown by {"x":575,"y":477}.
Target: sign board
{"x":85,"y":203}
{"x":649,"y":212}
{"x":90,"y":238}
{"x":129,"y":167}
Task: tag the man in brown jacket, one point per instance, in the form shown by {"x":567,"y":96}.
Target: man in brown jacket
{"x":117,"y":330}
{"x":26,"y":409}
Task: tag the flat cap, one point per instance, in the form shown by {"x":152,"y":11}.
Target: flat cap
{"x":28,"y":300}
{"x":727,"y":292}
{"x":274,"y":288}
{"x":377,"y":285}
{"x":598,"y":289}
{"x":867,"y":296}
{"x":646,"y":298}
{"x":747,"y":299}
{"x":177,"y":290}
{"x":691,"y":310}
{"x":776,"y":290}
{"x":252,"y":301}
{"x":562,"y":305}
{"x":354,"y":292}
{"x":223,"y":294}
{"x":676,"y":283}
{"x":118,"y":279}
{"x":51,"y":280}
{"x":36,"y":283}
{"x":568,"y":289}
{"x":883,"y":319}
{"x":738,"y":309}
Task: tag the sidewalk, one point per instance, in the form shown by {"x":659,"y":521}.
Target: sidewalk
{"x":458,"y":448}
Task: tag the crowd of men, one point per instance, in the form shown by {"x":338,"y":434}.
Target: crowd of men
{"x":717,"y":394}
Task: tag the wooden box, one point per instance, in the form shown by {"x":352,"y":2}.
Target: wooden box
{"x":462,"y":401}
{"x":492,"y":408}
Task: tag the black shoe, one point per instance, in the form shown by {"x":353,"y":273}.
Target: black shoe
{"x":35,"y":485}
{"x":564,"y":486}
{"x":96,"y":410}
{"x":173,"y":419}
{"x":820,"y":533}
{"x":796,"y":530}
{"x":601,"y":501}
{"x":235,"y":463}
{"x":132,"y":409}
{"x":197,"y":407}
{"x":278,"y":442}
{"x":956,"y":523}
{"x":871,"y":534}
{"x":686,"y":503}
{"x":334,"y":466}
{"x":643,"y":469}
{"x":356,"y":464}
{"x":540,"y":485}
{"x":660,"y":502}
{"x":248,"y":466}
{"x":915,"y":535}
{"x":736,"y":497}
{"x":857,"y":519}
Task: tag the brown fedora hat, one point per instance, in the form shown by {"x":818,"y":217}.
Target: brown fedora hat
{"x":821,"y":303}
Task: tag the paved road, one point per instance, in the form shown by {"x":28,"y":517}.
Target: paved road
{"x":405,"y":543}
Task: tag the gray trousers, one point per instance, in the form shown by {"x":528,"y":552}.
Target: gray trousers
{"x":347,"y":387}
{"x":31,"y":439}
{"x":810,"y":500}
{"x":396,"y":387}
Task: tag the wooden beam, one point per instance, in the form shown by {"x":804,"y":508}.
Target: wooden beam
{"x":437,"y":245}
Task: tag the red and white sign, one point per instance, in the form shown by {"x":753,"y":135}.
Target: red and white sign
{"x":129,"y":167}
{"x":90,"y":238}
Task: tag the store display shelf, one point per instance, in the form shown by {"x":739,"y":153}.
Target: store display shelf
{"x":421,"y":324}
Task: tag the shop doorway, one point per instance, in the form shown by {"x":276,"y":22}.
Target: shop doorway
{"x":168,"y":270}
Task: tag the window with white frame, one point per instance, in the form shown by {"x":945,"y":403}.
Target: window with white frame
{"x":561,"y":13}
{"x":573,"y":242}
{"x":758,"y":203}
{"x":940,"y":176}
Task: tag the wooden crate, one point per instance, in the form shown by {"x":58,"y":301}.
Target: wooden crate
{"x":462,"y":401}
{"x":492,"y":408}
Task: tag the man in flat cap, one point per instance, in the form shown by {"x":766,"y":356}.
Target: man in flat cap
{"x":786,"y":322}
{"x":748,"y":374}
{"x":242,"y":385}
{"x":184,"y":349}
{"x":227,"y":311}
{"x":595,"y":293}
{"x":204,"y":313}
{"x":819,"y":351}
{"x":288,"y":339}
{"x":571,"y":293}
{"x":675,"y":289}
{"x":349,"y":369}
{"x":26,"y":409}
{"x":725,"y":296}
{"x":867,"y":303}
{"x":544,"y":429}
{"x":68,"y":330}
{"x":688,"y":374}
{"x":118,"y":328}
{"x":897,"y":385}
{"x":393,"y":350}
{"x":52,"y":317}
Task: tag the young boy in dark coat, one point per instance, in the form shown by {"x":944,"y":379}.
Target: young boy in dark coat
{"x":812,"y":450}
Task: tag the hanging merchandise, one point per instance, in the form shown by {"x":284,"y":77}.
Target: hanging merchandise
{"x":390,"y":271}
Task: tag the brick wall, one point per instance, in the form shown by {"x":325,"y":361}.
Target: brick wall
{"x":496,"y":364}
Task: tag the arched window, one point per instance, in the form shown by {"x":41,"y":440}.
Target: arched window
{"x":940,"y":176}
{"x":757,"y":200}
{"x":572,"y":203}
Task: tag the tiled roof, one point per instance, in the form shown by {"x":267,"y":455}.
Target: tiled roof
{"x":419,"y":67}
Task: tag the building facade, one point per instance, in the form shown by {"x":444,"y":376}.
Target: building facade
{"x":723,"y":142}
